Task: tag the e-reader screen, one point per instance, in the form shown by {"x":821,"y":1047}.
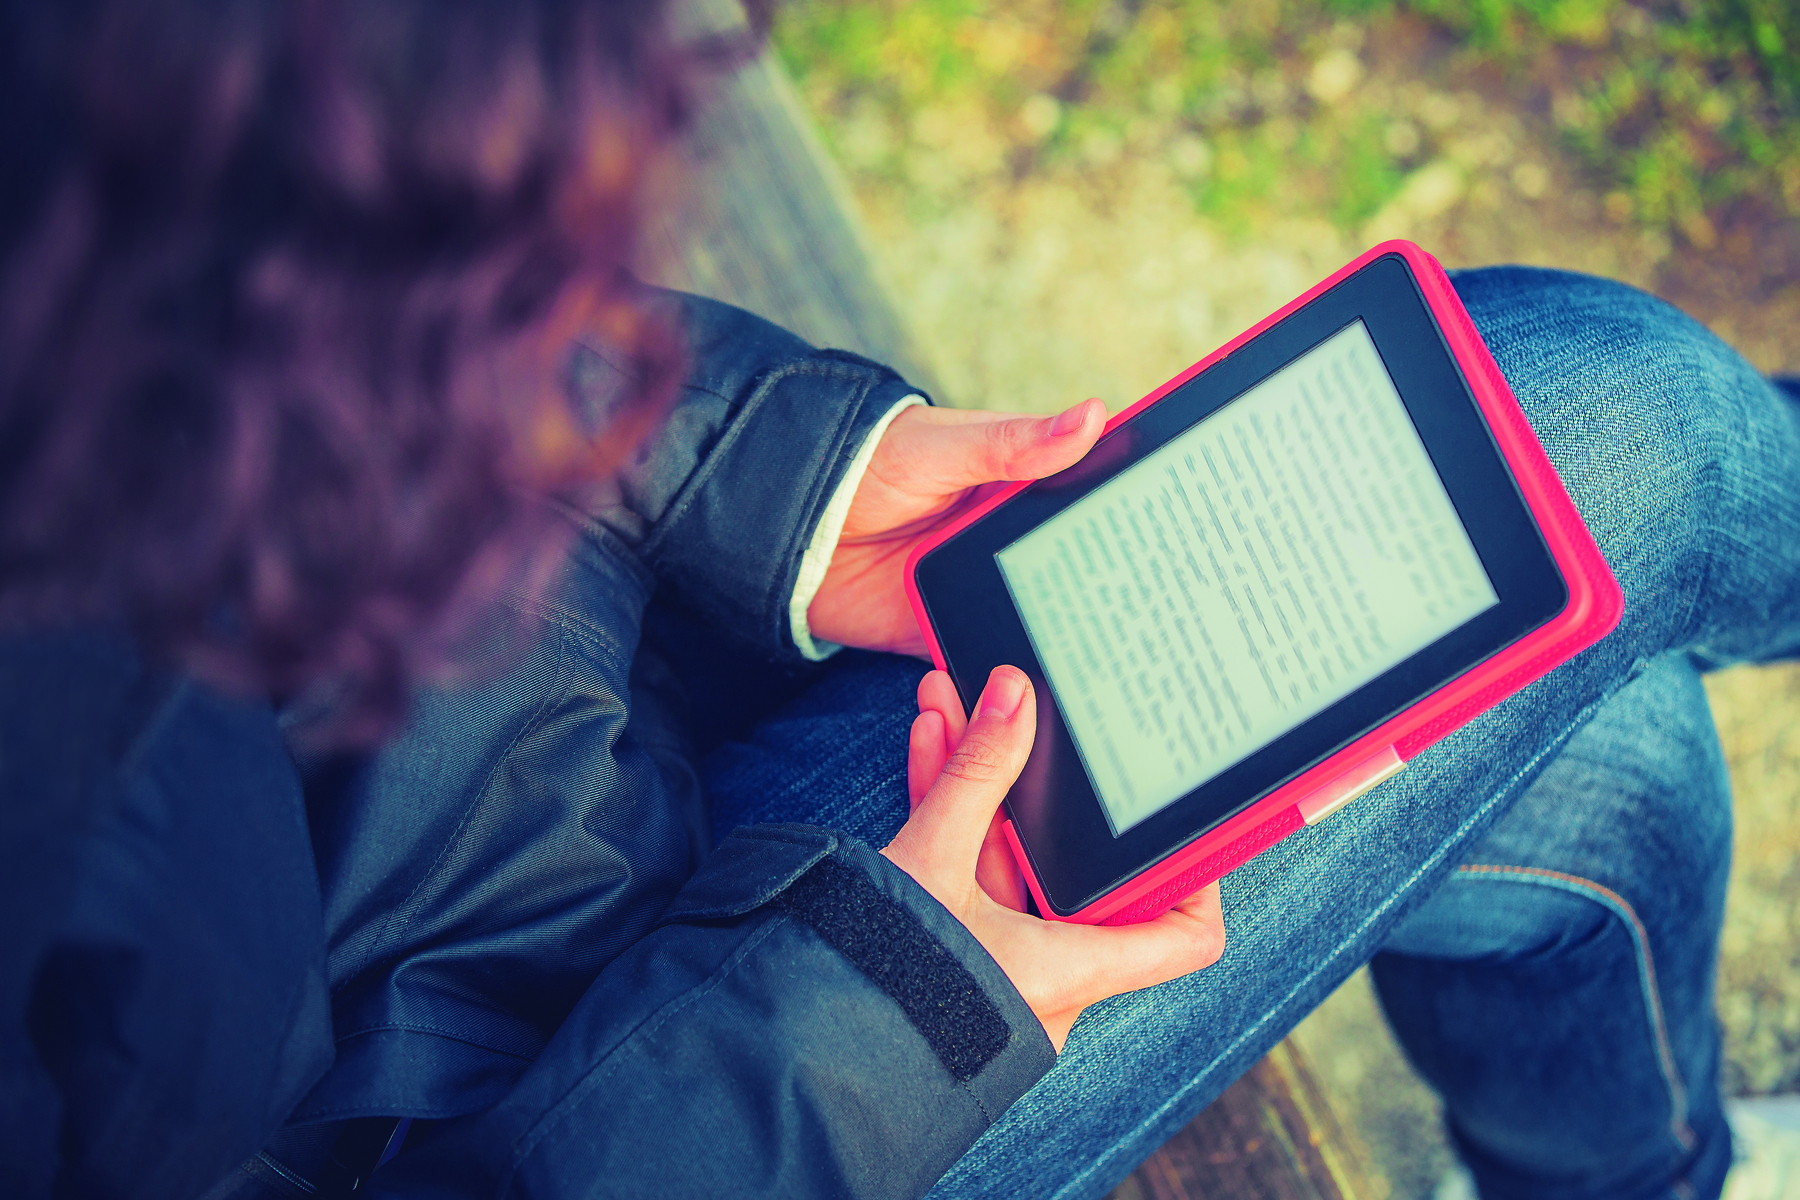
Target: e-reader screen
{"x":1240,"y":579}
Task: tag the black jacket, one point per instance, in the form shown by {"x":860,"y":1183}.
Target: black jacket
{"x":505,"y":921}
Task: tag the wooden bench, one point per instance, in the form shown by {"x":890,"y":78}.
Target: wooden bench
{"x":1271,"y":1136}
{"x":767,"y":224}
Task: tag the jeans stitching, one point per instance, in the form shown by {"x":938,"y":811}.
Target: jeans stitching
{"x":1621,"y":908}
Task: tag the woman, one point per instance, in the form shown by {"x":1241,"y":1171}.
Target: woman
{"x":291,"y":292}
{"x":360,"y":523}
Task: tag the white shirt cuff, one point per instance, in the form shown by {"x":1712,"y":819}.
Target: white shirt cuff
{"x":825,"y":539}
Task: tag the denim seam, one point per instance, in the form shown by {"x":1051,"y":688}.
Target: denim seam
{"x":608,"y":656}
{"x":1646,"y":963}
{"x":570,"y":620}
{"x":402,"y":913}
{"x":573,"y":624}
{"x":1549,"y":750}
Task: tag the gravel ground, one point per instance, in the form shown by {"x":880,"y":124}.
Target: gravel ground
{"x":1037,"y":281}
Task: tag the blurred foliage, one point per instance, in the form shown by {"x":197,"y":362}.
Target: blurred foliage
{"x":1676,"y":109}
{"x":1680,"y":107}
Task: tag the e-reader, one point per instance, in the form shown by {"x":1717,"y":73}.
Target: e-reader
{"x":1271,"y":583}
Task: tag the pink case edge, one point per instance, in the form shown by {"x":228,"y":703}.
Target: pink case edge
{"x":1594,"y":608}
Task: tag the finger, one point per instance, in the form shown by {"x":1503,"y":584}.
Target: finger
{"x":1205,"y":906}
{"x":952,"y":821}
{"x":937,"y":694}
{"x":1103,"y":961}
{"x":926,"y":750}
{"x":968,"y":449}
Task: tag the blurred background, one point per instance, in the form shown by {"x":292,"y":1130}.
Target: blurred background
{"x":1080,"y":199}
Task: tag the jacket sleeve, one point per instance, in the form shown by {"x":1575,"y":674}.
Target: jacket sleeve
{"x":806,"y":1021}
{"x":722,"y":500}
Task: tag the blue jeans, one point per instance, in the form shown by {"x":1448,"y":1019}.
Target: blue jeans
{"x":1541,"y":892}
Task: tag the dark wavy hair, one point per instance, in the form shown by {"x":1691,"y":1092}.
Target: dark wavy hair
{"x":283,"y":290}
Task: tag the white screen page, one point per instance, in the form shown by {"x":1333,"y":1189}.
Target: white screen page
{"x":1244,"y":577}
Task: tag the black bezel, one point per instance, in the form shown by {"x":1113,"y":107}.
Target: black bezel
{"x":1059,"y":819}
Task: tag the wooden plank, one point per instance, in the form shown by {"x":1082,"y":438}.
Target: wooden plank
{"x":1270,"y":1136}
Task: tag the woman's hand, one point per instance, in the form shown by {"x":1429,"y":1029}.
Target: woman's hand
{"x":952,"y":846}
{"x":931,"y":466}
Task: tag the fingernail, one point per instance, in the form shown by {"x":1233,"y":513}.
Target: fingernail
{"x":1004,"y":693}
{"x":1069,"y":420}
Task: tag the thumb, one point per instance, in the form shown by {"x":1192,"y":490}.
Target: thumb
{"x":959,"y":449}
{"x":952,"y":820}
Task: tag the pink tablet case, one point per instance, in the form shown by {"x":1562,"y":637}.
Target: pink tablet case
{"x":1594,"y":608}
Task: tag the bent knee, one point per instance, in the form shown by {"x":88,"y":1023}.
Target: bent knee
{"x":1629,"y":826}
{"x":1504,"y":914}
{"x":1661,"y":432}
{"x":1640,"y":793}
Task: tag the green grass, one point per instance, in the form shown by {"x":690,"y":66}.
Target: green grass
{"x":1676,"y":109}
{"x":1365,"y":175}
{"x":1681,"y":108}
